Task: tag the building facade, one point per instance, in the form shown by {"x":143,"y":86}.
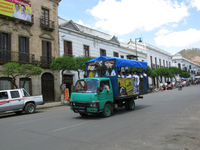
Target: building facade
{"x":76,"y":40}
{"x":186,"y":65}
{"x":31,"y":37}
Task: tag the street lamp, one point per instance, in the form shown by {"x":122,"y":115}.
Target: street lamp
{"x":139,"y":40}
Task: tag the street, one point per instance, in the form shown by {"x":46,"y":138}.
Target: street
{"x":168,"y":120}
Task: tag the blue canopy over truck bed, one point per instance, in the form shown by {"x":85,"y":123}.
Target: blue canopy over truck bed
{"x":110,"y":66}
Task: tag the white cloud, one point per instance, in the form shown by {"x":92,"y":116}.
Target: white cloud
{"x":196,"y":3}
{"x":179,"y":39}
{"x":125,"y":16}
{"x":162,"y":32}
{"x":174,"y":25}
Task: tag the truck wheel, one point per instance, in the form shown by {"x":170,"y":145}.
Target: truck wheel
{"x":130,"y":104}
{"x":107,"y":111}
{"x":83,"y":114}
{"x":30,"y":108}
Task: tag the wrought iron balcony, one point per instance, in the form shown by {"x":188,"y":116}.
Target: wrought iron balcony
{"x":10,"y":56}
{"x":47,"y":24}
{"x":46,"y":61}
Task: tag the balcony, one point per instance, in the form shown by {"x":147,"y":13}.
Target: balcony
{"x":47,"y":24}
{"x":10,"y":56}
{"x":46,"y":61}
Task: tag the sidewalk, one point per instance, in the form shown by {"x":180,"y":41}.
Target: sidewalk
{"x":52,"y":104}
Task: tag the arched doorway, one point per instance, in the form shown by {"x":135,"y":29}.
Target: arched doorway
{"x":48,"y":87}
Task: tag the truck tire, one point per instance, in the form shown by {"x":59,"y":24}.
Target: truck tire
{"x":107,"y":111}
{"x":83,"y":114}
{"x":30,"y":108}
{"x":130,"y":104}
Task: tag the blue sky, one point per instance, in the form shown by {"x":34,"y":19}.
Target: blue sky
{"x":171,"y":25}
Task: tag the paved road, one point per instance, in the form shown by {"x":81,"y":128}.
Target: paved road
{"x":167,"y":120}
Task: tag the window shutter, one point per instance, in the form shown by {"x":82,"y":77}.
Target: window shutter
{"x":0,"y":41}
{"x":44,"y":52}
{"x":50,"y":51}
{"x":70,"y":49}
{"x":9,"y":42}
{"x":65,"y":48}
{"x":27,"y":45}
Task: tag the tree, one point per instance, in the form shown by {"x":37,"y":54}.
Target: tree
{"x":28,"y":70}
{"x":80,"y":64}
{"x":175,"y":71}
{"x":185,"y":75}
{"x":63,"y":63}
{"x":13,"y":70}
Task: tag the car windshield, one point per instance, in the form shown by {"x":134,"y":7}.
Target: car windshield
{"x":86,"y":86}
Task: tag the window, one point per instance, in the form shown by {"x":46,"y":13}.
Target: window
{"x":156,"y":62}
{"x":86,"y":50}
{"x":46,"y":52}
{"x":160,"y":62}
{"x":26,"y":84}
{"x":45,"y":17}
{"x":68,"y":48}
{"x":122,"y":56}
{"x":23,"y":49}
{"x":5,"y":84}
{"x":164,"y":63}
{"x":14,"y":94}
{"x":3,"y":95}
{"x":102,"y":52}
{"x":5,"y":46}
{"x":115,"y":54}
{"x":151,"y":61}
{"x":179,"y":65}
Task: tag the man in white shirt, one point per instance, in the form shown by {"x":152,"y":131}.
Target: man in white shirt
{"x":104,"y":86}
{"x":128,"y":75}
{"x":23,"y":15}
{"x":16,"y":12}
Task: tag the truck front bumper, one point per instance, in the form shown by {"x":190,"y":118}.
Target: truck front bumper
{"x":84,"y":107}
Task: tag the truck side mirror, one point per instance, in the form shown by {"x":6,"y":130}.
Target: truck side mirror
{"x":98,"y":90}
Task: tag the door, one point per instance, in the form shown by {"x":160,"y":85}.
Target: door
{"x":17,"y":102}
{"x":105,"y":95}
{"x":48,"y":87}
{"x":4,"y":103}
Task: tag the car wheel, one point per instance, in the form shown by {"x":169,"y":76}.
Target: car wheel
{"x":30,"y":108}
{"x":107,"y":111}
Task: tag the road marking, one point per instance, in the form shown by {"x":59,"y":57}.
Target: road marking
{"x":71,"y":126}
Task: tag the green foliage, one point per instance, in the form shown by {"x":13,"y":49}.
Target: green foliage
{"x":63,"y":63}
{"x":175,"y":70}
{"x":28,"y":70}
{"x":185,"y":75}
{"x":13,"y":70}
{"x":80,"y":63}
{"x":153,"y":74}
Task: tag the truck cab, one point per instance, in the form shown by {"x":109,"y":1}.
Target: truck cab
{"x":89,"y":96}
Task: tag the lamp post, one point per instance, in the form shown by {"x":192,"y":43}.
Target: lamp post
{"x":140,"y":40}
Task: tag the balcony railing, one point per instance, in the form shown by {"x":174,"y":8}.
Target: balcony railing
{"x":46,"y":60}
{"x":47,"y":24}
{"x":10,"y":56}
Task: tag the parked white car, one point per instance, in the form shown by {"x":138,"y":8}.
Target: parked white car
{"x":18,"y":100}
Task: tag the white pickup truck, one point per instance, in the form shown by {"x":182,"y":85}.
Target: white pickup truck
{"x":18,"y":100}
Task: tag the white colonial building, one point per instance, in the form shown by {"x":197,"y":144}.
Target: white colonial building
{"x":186,"y":65}
{"x":77,"y":40}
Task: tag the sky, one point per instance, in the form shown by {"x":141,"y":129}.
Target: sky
{"x":171,"y":25}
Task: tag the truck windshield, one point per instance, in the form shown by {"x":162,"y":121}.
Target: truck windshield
{"x":86,"y":86}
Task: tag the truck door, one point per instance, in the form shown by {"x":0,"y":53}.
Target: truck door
{"x":106,"y":93}
{"x":4,"y":103}
{"x":17,"y":101}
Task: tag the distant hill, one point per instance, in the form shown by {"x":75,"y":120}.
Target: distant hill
{"x":191,"y":54}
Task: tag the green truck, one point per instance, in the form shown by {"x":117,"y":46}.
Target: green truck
{"x":104,"y":89}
